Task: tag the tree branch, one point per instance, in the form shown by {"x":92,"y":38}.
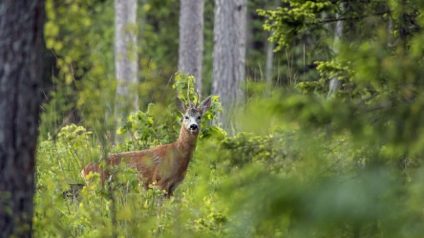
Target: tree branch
{"x":331,"y":20}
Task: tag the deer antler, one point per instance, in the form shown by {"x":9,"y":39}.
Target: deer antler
{"x":188,"y":95}
{"x":198,"y":98}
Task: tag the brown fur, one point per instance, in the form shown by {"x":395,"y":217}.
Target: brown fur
{"x":164,"y":165}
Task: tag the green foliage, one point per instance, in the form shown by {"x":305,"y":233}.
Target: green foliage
{"x":379,"y":98}
{"x":244,"y":149}
{"x":121,"y":206}
{"x":294,"y":21}
{"x":245,"y":185}
{"x":186,"y":89}
{"x":80,"y":34}
{"x":153,"y":127}
{"x":159,"y":125}
{"x":186,"y":93}
{"x":303,"y":164}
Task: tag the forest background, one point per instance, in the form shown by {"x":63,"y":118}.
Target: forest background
{"x":316,"y":128}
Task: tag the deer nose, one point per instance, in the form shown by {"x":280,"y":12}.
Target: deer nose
{"x":193,"y":127}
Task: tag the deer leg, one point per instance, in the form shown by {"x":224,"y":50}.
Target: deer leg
{"x":170,"y":190}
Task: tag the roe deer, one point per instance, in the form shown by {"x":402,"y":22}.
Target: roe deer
{"x":164,"y":165}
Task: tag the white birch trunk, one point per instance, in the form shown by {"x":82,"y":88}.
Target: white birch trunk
{"x":191,"y":39}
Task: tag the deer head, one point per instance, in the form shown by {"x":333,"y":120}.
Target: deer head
{"x":192,"y":115}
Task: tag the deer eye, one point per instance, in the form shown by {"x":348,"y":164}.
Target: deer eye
{"x":198,"y":118}
{"x":186,"y":117}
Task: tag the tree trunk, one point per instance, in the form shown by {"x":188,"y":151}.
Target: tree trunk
{"x":191,"y":39}
{"x":229,"y":56}
{"x":126,"y":63}
{"x":338,"y":33}
{"x":269,"y":60}
{"x":269,"y":63}
{"x":21,"y":79}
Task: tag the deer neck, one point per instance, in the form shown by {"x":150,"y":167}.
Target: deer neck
{"x":186,"y":143}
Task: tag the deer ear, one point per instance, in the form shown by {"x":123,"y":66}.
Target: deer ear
{"x":206,"y":104}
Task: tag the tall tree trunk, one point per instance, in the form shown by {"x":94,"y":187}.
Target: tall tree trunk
{"x":338,"y":33}
{"x":21,"y":79}
{"x":126,"y":63}
{"x":269,"y":63}
{"x":229,"y":56}
{"x":191,"y":39}
{"x":269,"y":60}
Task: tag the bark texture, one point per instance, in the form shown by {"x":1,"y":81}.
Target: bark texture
{"x":269,"y":58}
{"x":229,"y":56}
{"x":269,"y":63}
{"x":126,"y":63}
{"x":335,"y":84}
{"x":191,"y":39}
{"x":21,"y":78}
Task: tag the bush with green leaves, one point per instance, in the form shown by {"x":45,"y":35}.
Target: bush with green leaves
{"x":302,"y":165}
{"x":90,"y":209}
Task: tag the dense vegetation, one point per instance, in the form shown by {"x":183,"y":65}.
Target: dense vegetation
{"x":303,"y":163}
